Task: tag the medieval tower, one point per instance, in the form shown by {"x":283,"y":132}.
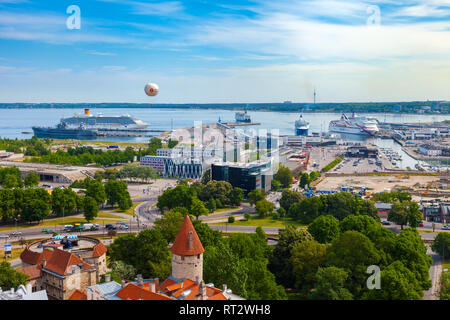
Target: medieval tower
{"x":187,"y":253}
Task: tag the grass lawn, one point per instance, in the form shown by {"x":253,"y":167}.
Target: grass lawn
{"x":130,"y":211}
{"x":99,"y":143}
{"x":56,"y":222}
{"x":15,"y":252}
{"x":264,"y":222}
{"x":446,"y":265}
{"x":224,"y":210}
{"x":102,"y":214}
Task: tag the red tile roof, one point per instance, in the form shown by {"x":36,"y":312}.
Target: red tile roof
{"x":29,"y":256}
{"x":33,"y":271}
{"x":61,"y":260}
{"x":78,"y":295}
{"x":176,"y":289}
{"x":99,"y":250}
{"x":187,"y":242}
{"x":135,"y":292}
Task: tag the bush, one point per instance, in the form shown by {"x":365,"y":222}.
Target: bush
{"x":230,"y":219}
{"x":275,"y":216}
{"x":247,"y":216}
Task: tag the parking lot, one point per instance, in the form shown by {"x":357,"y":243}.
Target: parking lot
{"x":357,"y":165}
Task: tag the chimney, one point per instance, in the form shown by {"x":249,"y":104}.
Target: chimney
{"x":107,"y":278}
{"x":224,"y":288}
{"x":29,"y":288}
{"x":12,"y":290}
{"x":197,"y":280}
{"x":152,"y":287}
{"x":123,"y":284}
{"x":190,"y":241}
{"x":140,"y":280}
{"x":44,"y":263}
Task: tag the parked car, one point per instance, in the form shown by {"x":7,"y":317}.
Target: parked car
{"x":45,"y":230}
{"x":123,"y":226}
{"x":446,"y":227}
{"x":385,"y":222}
{"x":4,"y":236}
{"x":16,"y":233}
{"x":420,"y":224}
{"x":110,"y":227}
{"x":50,"y":231}
{"x":68,"y":227}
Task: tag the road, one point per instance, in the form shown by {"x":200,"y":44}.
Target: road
{"x":435,"y":274}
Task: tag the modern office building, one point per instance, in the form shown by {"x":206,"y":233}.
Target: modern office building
{"x":247,"y":176}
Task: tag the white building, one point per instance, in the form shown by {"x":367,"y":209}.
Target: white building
{"x":23,"y":293}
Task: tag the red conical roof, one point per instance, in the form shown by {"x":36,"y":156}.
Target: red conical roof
{"x":187,"y":242}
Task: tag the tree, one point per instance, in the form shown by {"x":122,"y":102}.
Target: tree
{"x":255,"y":196}
{"x":206,"y":176}
{"x":305,"y":180}
{"x":32,"y":180}
{"x":169,"y":225}
{"x":147,"y":253}
{"x":10,"y":278}
{"x":207,"y":236}
{"x":275,"y":185}
{"x":212,"y":205}
{"x":125,"y":201}
{"x":63,"y":201}
{"x":35,"y":210}
{"x":96,"y":190}
{"x":236,"y":196}
{"x":329,"y":285}
{"x":247,"y":216}
{"x":219,"y":190}
{"x":441,"y":244}
{"x":123,"y":270}
{"x":397,"y":283}
{"x":10,"y":181}
{"x":306,"y":258}
{"x":406,"y":212}
{"x":284,"y":175}
{"x":180,"y":196}
{"x":198,"y":208}
{"x":306,"y":210}
{"x":280,"y":264}
{"x":172,"y":143}
{"x":353,"y":252}
{"x":90,"y":208}
{"x":264,"y":207}
{"x":324,"y":229}
{"x":412,"y":252}
{"x":154,"y":144}
{"x":359,"y":223}
{"x":289,"y":197}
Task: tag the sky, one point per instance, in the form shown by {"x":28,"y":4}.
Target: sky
{"x":224,"y":51}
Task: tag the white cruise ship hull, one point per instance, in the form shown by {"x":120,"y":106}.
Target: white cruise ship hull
{"x":350,"y":130}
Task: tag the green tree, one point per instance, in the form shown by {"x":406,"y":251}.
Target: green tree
{"x":289,"y":197}
{"x":305,"y":180}
{"x":123,"y":270}
{"x":35,"y":210}
{"x":10,"y":278}
{"x":397,"y":283}
{"x":90,"y":208}
{"x":275,"y":185}
{"x":236,"y":196}
{"x":206,"y":176}
{"x":198,"y":208}
{"x":306,"y":258}
{"x":230,"y":219}
{"x":10,"y":181}
{"x":353,"y":252}
{"x":211,"y":205}
{"x":329,"y":285}
{"x":404,"y":213}
{"x":360,"y":223}
{"x":255,"y":196}
{"x":207,"y":236}
{"x":264,"y":207}
{"x":96,"y":190}
{"x":147,"y":253}
{"x":32,"y":180}
{"x":180,"y":196}
{"x":284,"y":175}
{"x":441,"y":244}
{"x":170,"y":223}
{"x":324,"y":229}
{"x":280,"y":260}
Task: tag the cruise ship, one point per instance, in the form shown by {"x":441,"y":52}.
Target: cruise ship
{"x":355,"y":125}
{"x":301,"y":127}
{"x":99,"y":121}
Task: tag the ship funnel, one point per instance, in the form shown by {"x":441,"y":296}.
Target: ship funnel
{"x":87,"y":112}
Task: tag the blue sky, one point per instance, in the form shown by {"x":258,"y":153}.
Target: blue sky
{"x":225,"y":51}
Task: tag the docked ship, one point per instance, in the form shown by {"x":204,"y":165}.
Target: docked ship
{"x":242,"y":117}
{"x":301,"y":127}
{"x":62,"y":131}
{"x":355,"y":125}
{"x":99,"y":121}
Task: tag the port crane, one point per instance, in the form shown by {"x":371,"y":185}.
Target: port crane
{"x":429,"y":187}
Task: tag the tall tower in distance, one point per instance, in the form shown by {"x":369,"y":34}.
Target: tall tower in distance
{"x":187,"y":253}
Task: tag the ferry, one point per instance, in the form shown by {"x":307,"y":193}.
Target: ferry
{"x":242,"y":117}
{"x":99,"y":121}
{"x":355,"y":125}
{"x":301,"y":127}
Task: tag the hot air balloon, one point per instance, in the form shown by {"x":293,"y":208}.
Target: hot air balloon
{"x":151,"y":89}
